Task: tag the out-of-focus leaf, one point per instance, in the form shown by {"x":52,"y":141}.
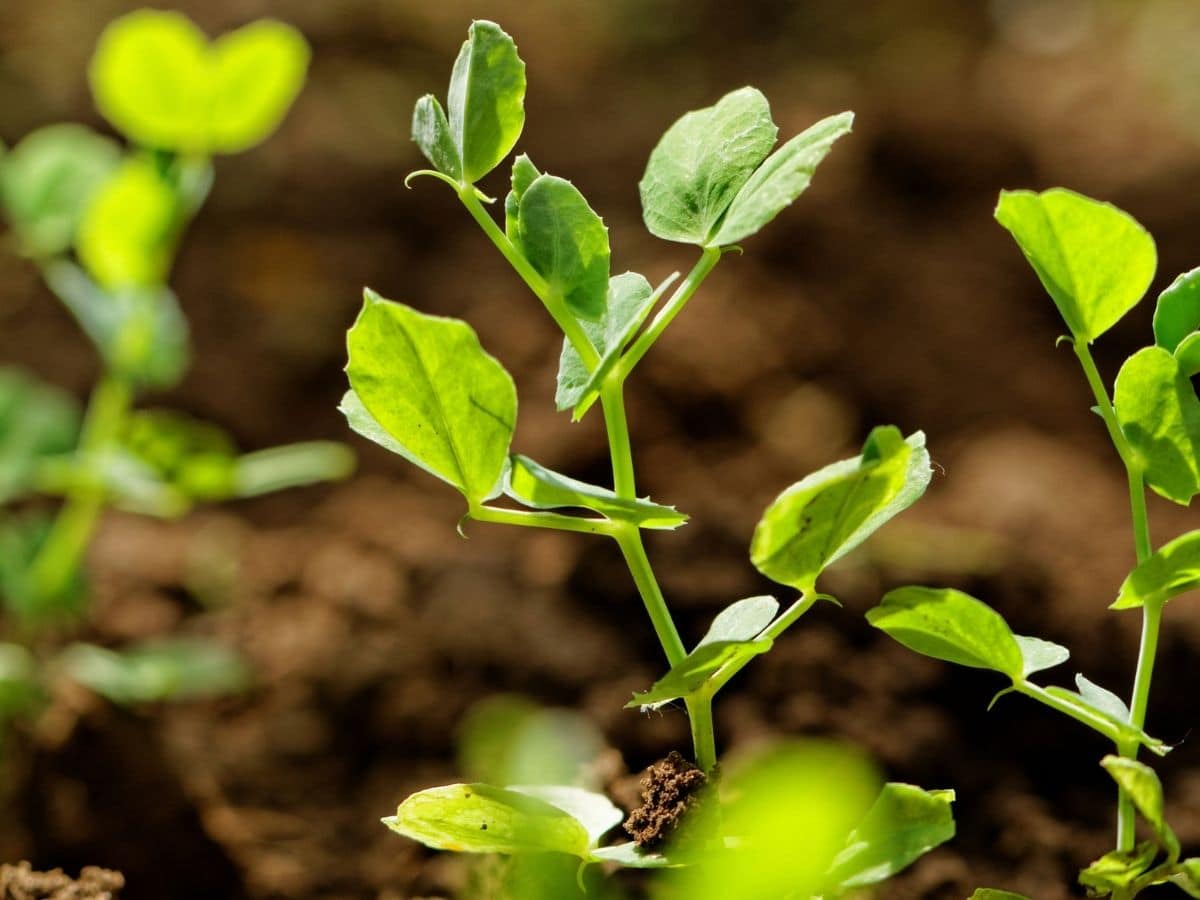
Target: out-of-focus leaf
{"x":36,"y":421}
{"x":176,"y":669}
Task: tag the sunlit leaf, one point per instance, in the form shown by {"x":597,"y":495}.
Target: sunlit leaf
{"x":741,"y":621}
{"x":431,"y":133}
{"x":1102,"y":699}
{"x":689,"y":674}
{"x":443,"y":403}
{"x":1142,"y":786}
{"x":1094,"y":260}
{"x":1177,"y":314}
{"x":1172,"y":570}
{"x":486,"y":103}
{"x":595,"y":812}
{"x":1039,"y":654}
{"x":1117,"y":869}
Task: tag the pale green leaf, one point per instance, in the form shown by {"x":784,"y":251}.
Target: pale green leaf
{"x":288,"y":466}
{"x":536,"y":486}
{"x":630,"y":301}
{"x":567,"y":243}
{"x":479,"y":818}
{"x":47,"y":181}
{"x":904,"y":824}
{"x":1102,"y":699}
{"x":254,"y":75}
{"x":1094,"y":705}
{"x":820,"y":519}
{"x":524,"y":173}
{"x":1094,"y":260}
{"x":1145,"y":790}
{"x":741,"y":621}
{"x":631,"y":856}
{"x":701,"y":163}
{"x":1159,"y":414}
{"x":431,"y":132}
{"x":486,"y":103}
{"x":445,"y":404}
{"x":782,"y":177}
{"x":1039,"y":654}
{"x":688,"y":675}
{"x":176,"y":669}
{"x":1172,"y":570}
{"x":595,"y":812}
{"x":1177,"y":314}
{"x":951,"y":626}
{"x":1117,"y":869}
{"x":19,"y":689}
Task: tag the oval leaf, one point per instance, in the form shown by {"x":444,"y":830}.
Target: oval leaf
{"x":486,"y":100}
{"x":1173,"y":570}
{"x":536,"y":486}
{"x":783,"y":177}
{"x":1159,"y":414}
{"x":444,"y":403}
{"x":826,"y":515}
{"x":952,"y":626}
{"x":431,"y":132}
{"x":1039,"y":654}
{"x":1094,"y":260}
{"x":1177,"y":314}
{"x":479,"y":818}
{"x":741,"y":621}
{"x":1102,"y":699}
{"x":701,"y":164}
{"x":567,"y":243}
{"x":1145,"y":790}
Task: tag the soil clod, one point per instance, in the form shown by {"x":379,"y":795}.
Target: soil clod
{"x":20,"y":882}
{"x":670,"y":788}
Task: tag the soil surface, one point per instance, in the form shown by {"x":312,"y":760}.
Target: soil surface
{"x":886,"y":295}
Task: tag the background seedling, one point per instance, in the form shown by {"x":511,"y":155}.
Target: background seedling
{"x":424,"y":388}
{"x":102,"y":222}
{"x":1097,"y":262}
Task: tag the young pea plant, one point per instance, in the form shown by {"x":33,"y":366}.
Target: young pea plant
{"x":1096,"y":263}
{"x":102,"y":223}
{"x":423,"y":387}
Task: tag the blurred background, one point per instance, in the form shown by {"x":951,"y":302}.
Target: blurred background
{"x":886,"y":295}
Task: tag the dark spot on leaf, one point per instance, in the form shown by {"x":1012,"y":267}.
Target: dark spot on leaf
{"x":483,"y":827}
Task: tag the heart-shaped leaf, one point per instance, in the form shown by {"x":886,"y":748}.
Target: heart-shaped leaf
{"x":431,"y":390}
{"x":1094,"y":260}
{"x":159,"y":81}
{"x":820,"y":519}
{"x":567,"y":243}
{"x":702,"y":162}
{"x":1159,"y":414}
{"x":782,"y":177}
{"x":536,"y":486}
{"x":1172,"y":570}
{"x":47,"y":181}
{"x":630,"y":301}
{"x":904,"y":824}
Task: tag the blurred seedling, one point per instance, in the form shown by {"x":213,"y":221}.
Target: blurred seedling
{"x":102,"y":222}
{"x":1097,"y":263}
{"x":423,"y":387}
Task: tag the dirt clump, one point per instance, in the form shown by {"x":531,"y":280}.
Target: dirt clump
{"x":20,"y":882}
{"x":670,"y":789}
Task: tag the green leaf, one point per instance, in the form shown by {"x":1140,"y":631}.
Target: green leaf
{"x":630,"y":301}
{"x":479,"y":818}
{"x":567,"y":243}
{"x":47,"y":181}
{"x":255,"y":74}
{"x":631,"y":856}
{"x":1177,"y":314}
{"x":1094,"y":705}
{"x":1117,"y":869}
{"x":524,"y":173}
{"x":741,"y":621}
{"x":1172,"y":570}
{"x":36,"y":421}
{"x":783,"y":177}
{"x":1145,"y":790}
{"x":487,"y":99}
{"x":951,"y":626}
{"x":1102,"y":699}
{"x":536,"y":486}
{"x":1039,"y":654}
{"x":993,"y":894}
{"x":140,"y":332}
{"x":280,"y":468}
{"x":19,"y":689}
{"x":1187,"y":355}
{"x":21,"y":539}
{"x":1187,"y":879}
{"x":176,"y":669}
{"x":701,"y":164}
{"x":1094,"y":260}
{"x":1159,"y":414}
{"x":689,"y":675}
{"x":820,"y":519}
{"x":442,"y":401}
{"x":157,"y":79}
{"x":595,"y":812}
{"x":431,"y":132}
{"x":903,"y":825}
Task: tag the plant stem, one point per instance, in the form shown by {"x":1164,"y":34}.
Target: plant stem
{"x":704,"y":739}
{"x":1096,"y":723}
{"x":629,"y":539}
{"x":1151,"y":617}
{"x":612,"y":399}
{"x":707,"y":262}
{"x":538,"y":519}
{"x":555,"y":305}
{"x":62,"y":552}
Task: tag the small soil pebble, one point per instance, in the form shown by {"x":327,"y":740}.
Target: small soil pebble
{"x":670,"y":788}
{"x":20,"y":882}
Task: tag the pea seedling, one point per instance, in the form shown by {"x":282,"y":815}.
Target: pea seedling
{"x":423,"y":387}
{"x":1096,"y":262}
{"x":102,"y":224}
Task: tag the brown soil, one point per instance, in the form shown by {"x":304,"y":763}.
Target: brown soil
{"x":670,"y":790}
{"x":20,"y":882}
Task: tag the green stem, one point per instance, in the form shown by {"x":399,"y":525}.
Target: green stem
{"x":707,"y":262}
{"x":704,"y":739}
{"x":62,"y":552}
{"x":538,"y":519}
{"x":612,"y":400}
{"x":629,"y":539}
{"x":555,"y":305}
{"x":1147,"y":651}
